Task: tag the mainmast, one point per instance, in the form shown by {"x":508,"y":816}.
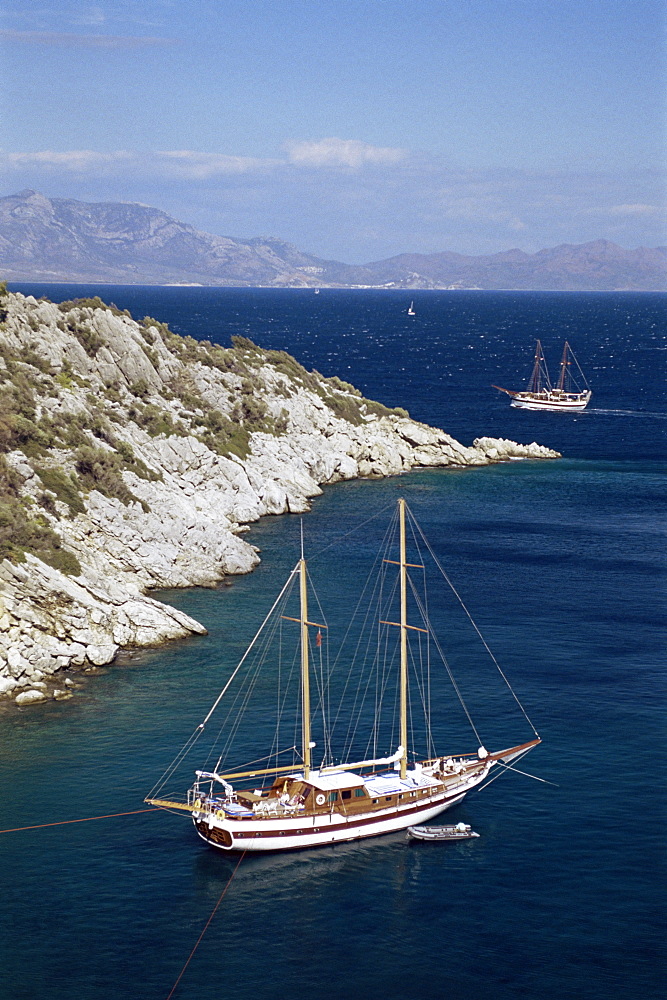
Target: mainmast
{"x":305,"y":679}
{"x":404,"y":644}
{"x":535,"y":383}
{"x":563,"y":367}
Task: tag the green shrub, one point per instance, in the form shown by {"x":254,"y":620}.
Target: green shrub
{"x":183,"y":386}
{"x":65,"y":487}
{"x":61,"y":559}
{"x":245,"y":344}
{"x":156,"y":421}
{"x":21,"y":532}
{"x":140,"y":388}
{"x":338,"y":383}
{"x":89,"y":339}
{"x":94,"y":303}
{"x":46,"y":501}
{"x":100,"y":470}
{"x":151,"y":354}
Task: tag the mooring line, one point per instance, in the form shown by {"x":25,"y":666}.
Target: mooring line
{"x":86,"y":819}
{"x":215,"y":910}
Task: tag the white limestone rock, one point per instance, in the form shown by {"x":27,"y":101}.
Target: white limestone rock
{"x":184,"y":528}
{"x":30,"y":697}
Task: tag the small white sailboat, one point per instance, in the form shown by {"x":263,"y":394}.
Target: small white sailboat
{"x":244,"y":799}
{"x":411,"y":310}
{"x":570,"y":394}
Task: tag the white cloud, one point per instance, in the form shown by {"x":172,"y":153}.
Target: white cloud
{"x":180,"y":164}
{"x":82,"y":40}
{"x":626,"y":210}
{"x":201,"y":166}
{"x":75,"y":161}
{"x":334,"y":152}
{"x":188,"y":164}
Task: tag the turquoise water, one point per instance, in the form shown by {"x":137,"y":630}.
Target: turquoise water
{"x":562,"y":565}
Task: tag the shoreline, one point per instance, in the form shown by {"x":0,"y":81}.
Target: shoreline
{"x":139,"y":460}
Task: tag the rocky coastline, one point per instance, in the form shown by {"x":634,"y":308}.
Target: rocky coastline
{"x":132,"y":459}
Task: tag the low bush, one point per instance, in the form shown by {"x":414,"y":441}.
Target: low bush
{"x":66,"y":487}
{"x":94,"y":303}
{"x":21,"y":531}
{"x":101,"y":470}
{"x":61,"y":559}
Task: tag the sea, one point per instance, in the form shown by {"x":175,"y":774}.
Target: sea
{"x":562,"y":565}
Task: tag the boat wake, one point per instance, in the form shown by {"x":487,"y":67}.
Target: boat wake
{"x":628,"y":413}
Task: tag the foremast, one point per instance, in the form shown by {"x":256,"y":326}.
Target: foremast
{"x":305,"y":678}
{"x":404,"y":643}
{"x":563,"y":368}
{"x":539,"y":367}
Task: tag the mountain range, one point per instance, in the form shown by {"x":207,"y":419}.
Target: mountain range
{"x":59,"y":239}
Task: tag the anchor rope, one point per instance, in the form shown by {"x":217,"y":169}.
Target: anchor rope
{"x":86,"y":819}
{"x":206,"y":926}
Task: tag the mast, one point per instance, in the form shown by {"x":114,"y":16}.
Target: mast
{"x":563,"y":366}
{"x":535,"y":383}
{"x":305,"y":679}
{"x":404,"y":644}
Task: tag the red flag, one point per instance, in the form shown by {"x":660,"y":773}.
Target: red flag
{"x":318,"y":638}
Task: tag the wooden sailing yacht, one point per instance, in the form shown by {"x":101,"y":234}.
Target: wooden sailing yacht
{"x":567,"y":395}
{"x":301,"y":805}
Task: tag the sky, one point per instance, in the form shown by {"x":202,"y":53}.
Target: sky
{"x":355,"y":129}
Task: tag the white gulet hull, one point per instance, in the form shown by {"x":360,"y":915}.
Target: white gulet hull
{"x":562,"y":405}
{"x":286,"y":833}
{"x":316,"y":831}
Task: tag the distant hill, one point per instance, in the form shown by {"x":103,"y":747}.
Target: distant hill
{"x":57,"y":239}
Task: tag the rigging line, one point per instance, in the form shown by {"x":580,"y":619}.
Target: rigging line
{"x":235,"y":713}
{"x":474,"y":625}
{"x":215,"y":910}
{"x":376,"y":579}
{"x":339,"y":538}
{"x":86,"y":819}
{"x":527,"y":775}
{"x":190,"y":742}
{"x":260,"y":760}
{"x":437,"y":645}
{"x":177,"y":761}
{"x":500,"y":773}
{"x":245,"y":655}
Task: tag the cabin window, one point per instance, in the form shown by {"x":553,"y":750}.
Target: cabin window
{"x":358,"y":793}
{"x":333,"y":796}
{"x":346,"y":794}
{"x":387,"y":798}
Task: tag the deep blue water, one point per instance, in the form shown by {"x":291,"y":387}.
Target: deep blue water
{"x":562,"y":565}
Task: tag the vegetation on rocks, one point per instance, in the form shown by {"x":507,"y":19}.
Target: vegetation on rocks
{"x":101,"y":470}
{"x":23,"y":529}
{"x":66,"y":419}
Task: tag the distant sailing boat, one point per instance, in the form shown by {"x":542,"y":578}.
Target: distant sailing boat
{"x":411,"y":310}
{"x":541,"y":395}
{"x":304,"y":804}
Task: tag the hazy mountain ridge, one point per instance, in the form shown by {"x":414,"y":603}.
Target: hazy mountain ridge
{"x":43,"y":239}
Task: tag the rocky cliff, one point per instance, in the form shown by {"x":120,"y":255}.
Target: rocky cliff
{"x":58,"y":239}
{"x":132,"y":458}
